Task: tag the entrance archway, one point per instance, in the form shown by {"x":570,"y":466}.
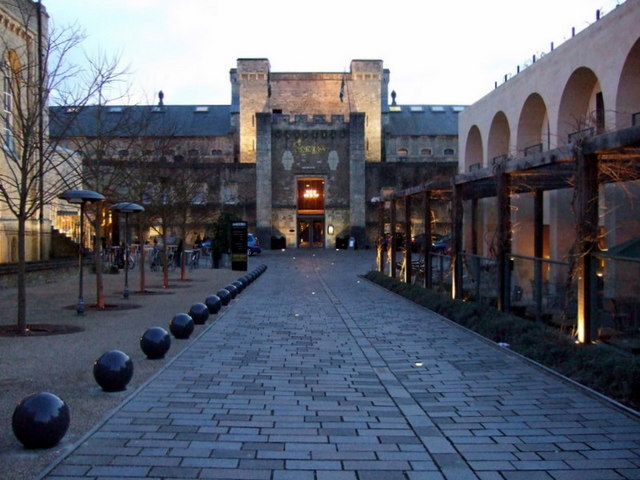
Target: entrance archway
{"x":310,"y":219}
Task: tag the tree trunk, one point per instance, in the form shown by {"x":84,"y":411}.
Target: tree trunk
{"x":97,"y":249}
{"x":142,"y":257}
{"x":22,"y":276}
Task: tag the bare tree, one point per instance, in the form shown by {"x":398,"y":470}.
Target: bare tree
{"x":32,"y":170}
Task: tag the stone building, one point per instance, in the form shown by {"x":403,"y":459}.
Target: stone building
{"x":298,"y":155}
{"x":23,"y":27}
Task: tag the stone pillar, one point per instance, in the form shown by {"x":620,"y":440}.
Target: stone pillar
{"x":357,"y":178}
{"x":263,"y":178}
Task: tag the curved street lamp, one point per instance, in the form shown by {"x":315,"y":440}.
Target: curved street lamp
{"x":81,"y":197}
{"x":126,"y":208}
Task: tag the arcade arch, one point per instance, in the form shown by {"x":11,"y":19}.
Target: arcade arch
{"x":473,"y":151}
{"x":533,"y":126}
{"x":628,"y":93}
{"x":581,"y":106}
{"x":499,"y":137}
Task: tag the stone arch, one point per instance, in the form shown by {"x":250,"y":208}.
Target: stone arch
{"x":628,"y":92}
{"x":533,"y":126}
{"x":578,"y":105}
{"x":499,"y":137}
{"x":473,"y":149}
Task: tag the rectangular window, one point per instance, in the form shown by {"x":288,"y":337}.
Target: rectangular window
{"x":7,"y":106}
{"x":230,"y":194}
{"x":599,"y":113}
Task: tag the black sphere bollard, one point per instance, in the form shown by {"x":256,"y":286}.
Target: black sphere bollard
{"x":225,"y":296}
{"x":213,"y":303}
{"x":40,"y":420}
{"x":181,"y":326}
{"x":199,"y":312}
{"x":113,"y":371}
{"x":155,"y":342}
{"x":239,"y":285}
{"x":233,"y":291}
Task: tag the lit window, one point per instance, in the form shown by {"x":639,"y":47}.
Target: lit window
{"x":425,"y":152}
{"x":403,"y":152}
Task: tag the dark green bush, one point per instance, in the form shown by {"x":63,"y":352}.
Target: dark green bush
{"x":599,"y":367}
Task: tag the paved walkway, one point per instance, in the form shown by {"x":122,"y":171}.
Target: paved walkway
{"x":312,"y":373}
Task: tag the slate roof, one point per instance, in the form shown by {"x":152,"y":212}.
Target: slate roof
{"x":148,"y":120}
{"x":215,"y":120}
{"x":423,"y":119}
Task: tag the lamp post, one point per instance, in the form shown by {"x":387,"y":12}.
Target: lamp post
{"x":81,"y":197}
{"x":126,"y":208}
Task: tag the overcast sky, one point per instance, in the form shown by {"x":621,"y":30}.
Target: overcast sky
{"x":438,"y":51}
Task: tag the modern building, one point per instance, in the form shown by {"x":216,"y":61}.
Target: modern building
{"x":298,"y":155}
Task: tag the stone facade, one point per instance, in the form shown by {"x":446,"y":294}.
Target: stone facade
{"x":310,"y":148}
{"x":255,"y":89}
{"x":289,"y":140}
{"x":18,"y":43}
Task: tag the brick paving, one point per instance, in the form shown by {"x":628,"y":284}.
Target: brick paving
{"x":313,"y":373}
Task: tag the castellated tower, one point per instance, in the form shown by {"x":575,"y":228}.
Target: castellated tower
{"x":366,"y":92}
{"x":250,"y":95}
{"x":255,"y":89}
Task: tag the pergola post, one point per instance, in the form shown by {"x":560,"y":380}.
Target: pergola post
{"x":457,"y":213}
{"x":407,"y":239}
{"x":426,"y":245}
{"x":504,"y":241}
{"x":587,"y":231}
{"x":475,"y":261}
{"x":537,"y":251}
{"x":381,"y":243}
{"x":392,"y":238}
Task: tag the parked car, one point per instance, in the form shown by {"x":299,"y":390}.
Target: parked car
{"x":442,"y":245}
{"x":253,"y":245}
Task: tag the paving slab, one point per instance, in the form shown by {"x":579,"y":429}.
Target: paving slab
{"x":313,"y":372}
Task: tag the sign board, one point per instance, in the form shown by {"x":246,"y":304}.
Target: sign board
{"x":239,"y":246}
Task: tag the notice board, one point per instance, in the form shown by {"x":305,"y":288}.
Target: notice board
{"x":239,"y":246}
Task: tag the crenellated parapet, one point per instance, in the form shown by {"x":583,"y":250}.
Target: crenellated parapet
{"x":309,"y":121}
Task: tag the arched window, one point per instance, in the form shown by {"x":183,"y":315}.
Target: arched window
{"x":402,"y":152}
{"x":449,"y":151}
{"x":425,"y":152}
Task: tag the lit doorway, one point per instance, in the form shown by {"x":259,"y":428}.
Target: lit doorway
{"x":310,"y":232}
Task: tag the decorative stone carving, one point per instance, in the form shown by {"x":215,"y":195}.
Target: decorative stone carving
{"x":287,"y":160}
{"x":333,"y":160}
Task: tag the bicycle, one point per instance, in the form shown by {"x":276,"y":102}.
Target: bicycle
{"x":194,"y":259}
{"x":156,"y":261}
